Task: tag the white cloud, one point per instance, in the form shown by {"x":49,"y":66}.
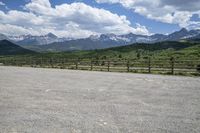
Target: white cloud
{"x":2,"y":4}
{"x":66,"y":20}
{"x":21,"y":18}
{"x":141,"y":29}
{"x":167,"y":11}
{"x":9,"y":29}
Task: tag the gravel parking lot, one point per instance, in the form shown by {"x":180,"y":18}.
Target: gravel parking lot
{"x":67,"y":101}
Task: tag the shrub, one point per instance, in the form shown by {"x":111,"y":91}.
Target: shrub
{"x":198,"y":68}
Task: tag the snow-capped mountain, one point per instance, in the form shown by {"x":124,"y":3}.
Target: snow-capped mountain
{"x":36,"y":40}
{"x":104,"y":40}
{"x":133,"y":38}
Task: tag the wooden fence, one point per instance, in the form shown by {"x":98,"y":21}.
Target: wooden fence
{"x":162,"y":66}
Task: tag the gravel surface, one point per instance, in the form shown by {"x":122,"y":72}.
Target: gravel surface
{"x":66,"y":101}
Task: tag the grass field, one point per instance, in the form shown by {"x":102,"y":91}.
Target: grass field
{"x":133,"y":58}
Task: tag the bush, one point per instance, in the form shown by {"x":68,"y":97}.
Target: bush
{"x":198,"y":68}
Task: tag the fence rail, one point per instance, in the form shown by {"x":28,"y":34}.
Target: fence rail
{"x":165,"y":66}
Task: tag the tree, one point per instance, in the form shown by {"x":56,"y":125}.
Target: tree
{"x":139,"y":52}
{"x":104,"y":57}
{"x":138,"y":55}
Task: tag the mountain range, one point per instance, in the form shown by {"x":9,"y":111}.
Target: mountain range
{"x":51,"y":42}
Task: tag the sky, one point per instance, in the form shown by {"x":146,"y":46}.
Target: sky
{"x":82,"y":18}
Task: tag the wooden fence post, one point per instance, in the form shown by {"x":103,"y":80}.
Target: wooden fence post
{"x":128,"y":66}
{"x":172,"y":65}
{"x":17,"y":62}
{"x":76,"y":64}
{"x":51,"y":62}
{"x":30,"y":61}
{"x":149,"y":65}
{"x":4,"y":62}
{"x":63,"y":63}
{"x":91,"y":66}
{"x":41,"y":62}
{"x":108,"y":66}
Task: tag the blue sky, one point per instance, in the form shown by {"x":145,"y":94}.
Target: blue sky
{"x":81,"y":18}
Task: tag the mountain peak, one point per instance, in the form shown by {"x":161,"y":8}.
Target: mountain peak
{"x":183,"y":30}
{"x":130,"y":33}
{"x":51,"y":35}
{"x":108,"y":35}
{"x":94,"y":37}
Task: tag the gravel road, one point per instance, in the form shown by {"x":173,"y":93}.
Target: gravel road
{"x":37,"y":100}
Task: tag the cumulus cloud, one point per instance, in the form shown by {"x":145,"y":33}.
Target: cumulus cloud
{"x":183,"y":5}
{"x":66,"y":20}
{"x":2,"y":4}
{"x":16,"y":30}
{"x":167,"y":11}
